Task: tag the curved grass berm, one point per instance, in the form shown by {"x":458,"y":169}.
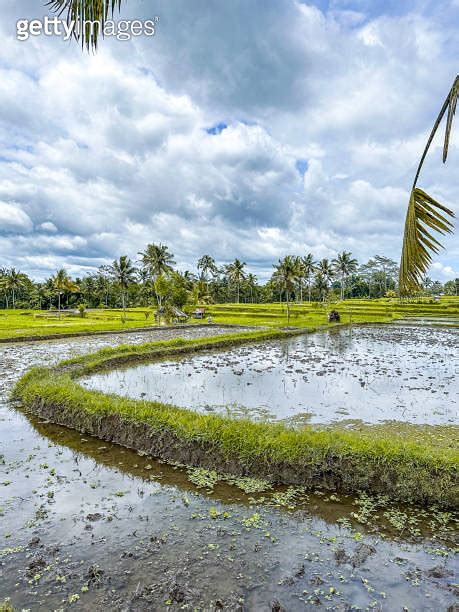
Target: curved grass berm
{"x":409,"y":463}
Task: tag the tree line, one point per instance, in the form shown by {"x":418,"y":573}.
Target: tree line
{"x":154,"y":280}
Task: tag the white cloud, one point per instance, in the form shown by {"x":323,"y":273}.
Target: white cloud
{"x":14,"y":219}
{"x":102,"y":154}
{"x":48,"y":226}
{"x":442,"y":272}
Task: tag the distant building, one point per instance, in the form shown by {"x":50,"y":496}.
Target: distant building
{"x":178,"y":315}
{"x":199,"y":313}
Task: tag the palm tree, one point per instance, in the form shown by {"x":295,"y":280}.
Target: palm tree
{"x":326,"y":269}
{"x":344,"y":265}
{"x":103,"y":282}
{"x":424,"y":213}
{"x":81,"y":11}
{"x":60,"y":283}
{"x":321,"y":284}
{"x":3,"y":275}
{"x":251,"y":282}
{"x":189,"y":278}
{"x":123,"y":273}
{"x":300,"y":276}
{"x":427,"y":283}
{"x":286,"y":274}
{"x":13,"y":281}
{"x":157,"y":260}
{"x":309,"y":268}
{"x":236,"y":274}
{"x":207,"y":264}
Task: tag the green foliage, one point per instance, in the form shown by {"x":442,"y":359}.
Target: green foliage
{"x":424,"y":213}
{"x":310,"y":315}
{"x":84,"y":12}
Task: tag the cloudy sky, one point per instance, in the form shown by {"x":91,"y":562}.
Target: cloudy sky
{"x":243,"y":128}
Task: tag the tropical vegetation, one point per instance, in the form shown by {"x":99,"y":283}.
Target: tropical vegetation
{"x":425,"y":214}
{"x":155,"y":281}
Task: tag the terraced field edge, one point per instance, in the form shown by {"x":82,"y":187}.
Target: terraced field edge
{"x":408,"y":467}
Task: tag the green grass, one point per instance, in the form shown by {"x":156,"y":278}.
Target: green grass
{"x":312,"y":315}
{"x":33,"y":323}
{"x":39,"y":323}
{"x":409,"y":463}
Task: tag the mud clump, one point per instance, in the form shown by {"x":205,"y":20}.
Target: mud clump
{"x":361,"y":554}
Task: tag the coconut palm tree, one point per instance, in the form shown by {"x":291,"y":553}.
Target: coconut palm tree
{"x":3,"y":275}
{"x":123,"y":273}
{"x":286,"y":275}
{"x":321,"y":285}
{"x":344,"y":265}
{"x":207,"y":264}
{"x":13,"y":280}
{"x":157,"y":260}
{"x":325,"y":267}
{"x":300,"y":277}
{"x":236,"y":274}
{"x":309,"y":268}
{"x":424,"y":213}
{"x":81,"y":11}
{"x":61,"y":283}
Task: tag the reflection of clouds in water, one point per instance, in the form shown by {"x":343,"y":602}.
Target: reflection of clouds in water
{"x":377,"y":373}
{"x":16,"y":358}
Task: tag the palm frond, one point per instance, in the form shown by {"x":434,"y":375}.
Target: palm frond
{"x":452,"y":103}
{"x":424,"y":214}
{"x":448,"y":105}
{"x":84,"y":13}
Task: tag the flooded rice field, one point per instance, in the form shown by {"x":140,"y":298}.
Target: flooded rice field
{"x":373,"y":373}
{"x":89,"y":525}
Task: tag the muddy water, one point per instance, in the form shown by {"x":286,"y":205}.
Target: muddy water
{"x":88,"y":525}
{"x":372,"y":373}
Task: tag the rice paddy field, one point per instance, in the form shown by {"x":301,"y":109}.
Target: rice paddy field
{"x":16,"y":324}
{"x":271,"y":465}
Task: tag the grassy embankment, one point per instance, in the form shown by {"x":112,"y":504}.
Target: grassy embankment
{"x":32,"y":323}
{"x":409,"y":463}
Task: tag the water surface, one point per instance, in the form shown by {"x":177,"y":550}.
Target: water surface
{"x":83,"y":517}
{"x":373,"y":373}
